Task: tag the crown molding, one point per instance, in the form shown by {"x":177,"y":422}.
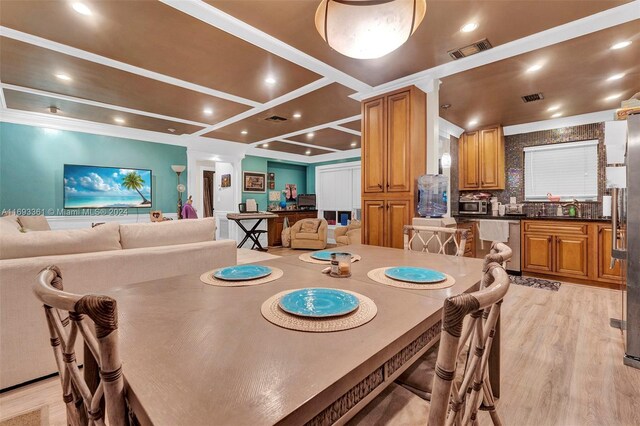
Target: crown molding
{"x":447,"y":128}
{"x":557,"y":123}
{"x":346,"y":130}
{"x":587,"y":25}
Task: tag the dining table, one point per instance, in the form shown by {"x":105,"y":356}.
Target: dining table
{"x":199,"y":354}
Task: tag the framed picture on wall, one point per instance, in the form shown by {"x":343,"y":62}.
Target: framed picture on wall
{"x":226,"y":181}
{"x":254,"y":182}
{"x":272,"y":185}
{"x":272,"y":176}
{"x":291,"y":192}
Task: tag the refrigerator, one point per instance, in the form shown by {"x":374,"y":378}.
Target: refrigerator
{"x":622,"y":141}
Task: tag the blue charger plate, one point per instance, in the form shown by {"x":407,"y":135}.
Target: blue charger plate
{"x":242,"y":272}
{"x":416,"y":275}
{"x":325,"y":255}
{"x":319,"y":302}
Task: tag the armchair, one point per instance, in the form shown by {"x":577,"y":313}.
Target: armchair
{"x":350,"y":234}
{"x":309,"y":234}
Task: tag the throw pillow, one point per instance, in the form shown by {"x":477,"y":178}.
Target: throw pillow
{"x":310,"y":226}
{"x":9,"y":225}
{"x":34,"y":223}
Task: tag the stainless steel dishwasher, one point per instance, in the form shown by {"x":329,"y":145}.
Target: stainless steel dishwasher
{"x":482,"y":248}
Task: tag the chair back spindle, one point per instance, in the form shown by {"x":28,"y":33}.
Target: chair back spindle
{"x":71,"y":317}
{"x":434,"y":239}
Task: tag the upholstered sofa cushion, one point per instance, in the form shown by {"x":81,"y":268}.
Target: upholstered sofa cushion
{"x":9,"y":225}
{"x":34,"y":223}
{"x":309,"y":226}
{"x":32,"y":244}
{"x":306,"y":236}
{"x":137,"y":235}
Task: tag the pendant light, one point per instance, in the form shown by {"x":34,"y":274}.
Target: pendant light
{"x":368,"y":29}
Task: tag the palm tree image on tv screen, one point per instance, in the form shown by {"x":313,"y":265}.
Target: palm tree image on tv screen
{"x":93,"y":187}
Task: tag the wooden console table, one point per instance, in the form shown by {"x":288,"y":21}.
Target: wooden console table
{"x":276,"y":225}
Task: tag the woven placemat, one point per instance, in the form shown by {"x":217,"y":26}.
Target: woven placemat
{"x":208,"y":278}
{"x":272,"y":312}
{"x":378,"y":276}
{"x":306,"y":257}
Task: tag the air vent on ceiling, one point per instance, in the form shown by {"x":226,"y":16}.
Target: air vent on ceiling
{"x":532,"y":98}
{"x":472,"y":49}
{"x":275,"y":118}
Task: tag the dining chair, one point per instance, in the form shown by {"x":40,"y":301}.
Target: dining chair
{"x":418,"y":378}
{"x":434,"y":239}
{"x":452,"y":403}
{"x":71,"y":317}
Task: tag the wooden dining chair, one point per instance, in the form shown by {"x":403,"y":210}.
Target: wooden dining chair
{"x":451,"y":403}
{"x":71,"y":317}
{"x":434,"y":239}
{"x":418,"y":378}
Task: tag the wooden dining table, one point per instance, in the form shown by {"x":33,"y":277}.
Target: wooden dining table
{"x":203,"y":355}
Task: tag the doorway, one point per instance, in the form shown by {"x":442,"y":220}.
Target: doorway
{"x":207,"y":192}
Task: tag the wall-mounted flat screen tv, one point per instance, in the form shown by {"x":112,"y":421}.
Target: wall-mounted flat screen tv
{"x":93,"y":187}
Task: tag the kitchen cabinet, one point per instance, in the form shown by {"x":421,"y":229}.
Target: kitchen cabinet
{"x":605,"y":271}
{"x":393,"y":157}
{"x":578,"y":251}
{"x":481,"y":160}
{"x":470,"y":246}
{"x":276,"y":225}
{"x":384,"y":222}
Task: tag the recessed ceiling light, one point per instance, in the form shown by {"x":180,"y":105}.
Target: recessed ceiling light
{"x":310,"y":135}
{"x":64,"y":77}
{"x":171,"y":130}
{"x":207,"y":111}
{"x":553,"y":108}
{"x":621,"y":44}
{"x":556,"y":115}
{"x":270,"y":80}
{"x":473,"y":122}
{"x":445,"y":106}
{"x":534,"y":68}
{"x":81,"y":8}
{"x":119,"y":120}
{"x":467,"y":28}
{"x":297,"y":115}
{"x":265,"y":145}
{"x":354,"y":144}
{"x":308,"y":152}
{"x":244,"y":132}
{"x":616,"y":76}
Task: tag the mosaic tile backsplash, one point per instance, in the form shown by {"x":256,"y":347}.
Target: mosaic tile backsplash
{"x":514,"y":167}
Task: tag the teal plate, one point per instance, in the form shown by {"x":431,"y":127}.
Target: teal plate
{"x":242,"y":273}
{"x":416,"y":275}
{"x":326,"y":255}
{"x":319,"y":302}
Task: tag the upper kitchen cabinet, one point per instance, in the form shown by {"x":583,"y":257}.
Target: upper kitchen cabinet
{"x":393,"y":141}
{"x":481,"y":159}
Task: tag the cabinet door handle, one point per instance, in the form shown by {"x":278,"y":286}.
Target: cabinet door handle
{"x":380,"y":185}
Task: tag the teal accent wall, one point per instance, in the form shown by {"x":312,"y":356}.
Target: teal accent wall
{"x":32,"y":161}
{"x":303,"y":175}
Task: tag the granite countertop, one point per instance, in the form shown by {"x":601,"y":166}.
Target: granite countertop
{"x":462,"y":217}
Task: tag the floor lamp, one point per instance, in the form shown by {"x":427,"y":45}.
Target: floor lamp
{"x":181,"y":188}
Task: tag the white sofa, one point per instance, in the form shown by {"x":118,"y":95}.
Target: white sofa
{"x":92,"y":262}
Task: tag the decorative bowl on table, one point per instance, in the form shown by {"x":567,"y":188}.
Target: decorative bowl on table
{"x":319,"y":302}
{"x":412,"y":274}
{"x":242,"y":272}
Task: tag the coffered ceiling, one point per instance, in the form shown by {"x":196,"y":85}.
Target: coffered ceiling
{"x":218,"y":70}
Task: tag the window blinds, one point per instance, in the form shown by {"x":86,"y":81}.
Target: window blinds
{"x":566,"y":169}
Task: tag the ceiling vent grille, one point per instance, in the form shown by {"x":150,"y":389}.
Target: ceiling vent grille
{"x":532,"y":98}
{"x":472,"y":49}
{"x":276,"y":118}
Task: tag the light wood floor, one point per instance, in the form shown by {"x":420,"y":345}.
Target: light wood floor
{"x":561,"y":363}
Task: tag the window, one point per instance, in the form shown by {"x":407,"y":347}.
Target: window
{"x":569,"y":170}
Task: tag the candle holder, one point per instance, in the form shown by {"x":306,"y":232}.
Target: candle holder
{"x":340,"y":265}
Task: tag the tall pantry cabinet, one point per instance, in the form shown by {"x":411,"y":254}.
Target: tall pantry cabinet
{"x":394,"y":155}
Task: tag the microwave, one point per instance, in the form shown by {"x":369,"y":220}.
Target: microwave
{"x":473,"y":207}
